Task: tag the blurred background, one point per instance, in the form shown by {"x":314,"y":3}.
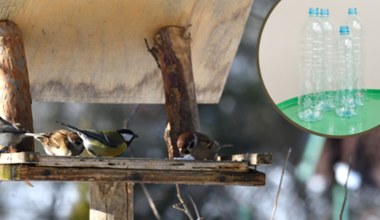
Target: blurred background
{"x":245,"y":117}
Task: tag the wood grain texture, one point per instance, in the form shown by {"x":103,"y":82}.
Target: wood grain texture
{"x":172,"y":53}
{"x":35,"y":173}
{"x":36,"y":167}
{"x":15,"y":98}
{"x":111,"y":200}
{"x":238,"y":165}
{"x":93,"y":50}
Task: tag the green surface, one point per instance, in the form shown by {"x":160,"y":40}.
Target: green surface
{"x":368,"y":117}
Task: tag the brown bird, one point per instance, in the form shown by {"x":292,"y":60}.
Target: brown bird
{"x":198,"y":145}
{"x":60,"y":143}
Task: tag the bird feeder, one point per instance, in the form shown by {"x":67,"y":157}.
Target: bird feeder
{"x":93,"y":51}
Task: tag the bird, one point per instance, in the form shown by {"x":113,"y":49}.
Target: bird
{"x":104,"y":143}
{"x":199,"y":146}
{"x":10,"y":134}
{"x":60,"y":142}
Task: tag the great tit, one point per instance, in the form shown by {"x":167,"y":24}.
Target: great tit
{"x":61,"y":143}
{"x":104,"y":143}
{"x":10,"y":134}
{"x":199,"y":146}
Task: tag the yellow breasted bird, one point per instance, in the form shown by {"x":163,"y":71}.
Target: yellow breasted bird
{"x":104,"y":143}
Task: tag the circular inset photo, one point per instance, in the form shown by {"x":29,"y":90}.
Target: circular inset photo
{"x":318,"y":62}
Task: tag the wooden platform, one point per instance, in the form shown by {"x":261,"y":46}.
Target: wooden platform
{"x":33,"y":166}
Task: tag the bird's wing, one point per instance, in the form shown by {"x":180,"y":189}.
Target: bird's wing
{"x":71,"y":127}
{"x":97,"y":135}
{"x":102,"y":136}
{"x":6,"y":126}
{"x":4,"y":122}
{"x":11,"y":129}
{"x":204,"y":140}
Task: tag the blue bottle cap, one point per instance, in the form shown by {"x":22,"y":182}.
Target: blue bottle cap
{"x":313,"y":11}
{"x":344,"y":30}
{"x":324,"y":12}
{"x":352,"y":11}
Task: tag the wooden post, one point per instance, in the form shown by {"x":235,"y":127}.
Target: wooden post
{"x":173,"y":55}
{"x":111,"y":200}
{"x":172,"y":52}
{"x":15,"y":98}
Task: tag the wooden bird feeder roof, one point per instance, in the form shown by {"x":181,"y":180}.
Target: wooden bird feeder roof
{"x":94,"y":51}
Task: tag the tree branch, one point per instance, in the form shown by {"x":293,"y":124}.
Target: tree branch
{"x":150,"y":201}
{"x":181,"y":206}
{"x":279,"y":185}
{"x":195,"y":209}
{"x":345,"y":190}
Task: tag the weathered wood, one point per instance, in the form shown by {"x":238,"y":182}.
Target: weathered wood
{"x":111,"y":200}
{"x":108,"y":35}
{"x":16,"y":101}
{"x":130,"y":200}
{"x":252,"y":158}
{"x":35,"y":173}
{"x":172,"y":52}
{"x":32,"y":166}
{"x":134,"y":163}
{"x":19,"y":158}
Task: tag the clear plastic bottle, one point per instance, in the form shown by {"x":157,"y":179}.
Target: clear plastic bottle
{"x":328,"y":59}
{"x":310,"y":101}
{"x":345,"y":95}
{"x":357,"y":33}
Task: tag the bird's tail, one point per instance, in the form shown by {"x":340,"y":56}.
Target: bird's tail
{"x":69,"y":126}
{"x":220,"y":146}
{"x":226,"y":145}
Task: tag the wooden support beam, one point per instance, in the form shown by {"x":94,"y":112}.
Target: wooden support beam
{"x":172,"y":52}
{"x":114,"y":202}
{"x":15,"y":98}
{"x":32,"y":166}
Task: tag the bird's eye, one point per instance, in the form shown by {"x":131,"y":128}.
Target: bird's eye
{"x":78,"y":142}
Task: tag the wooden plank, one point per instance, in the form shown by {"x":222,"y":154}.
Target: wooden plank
{"x":16,"y":101}
{"x":143,"y":164}
{"x":62,"y":35}
{"x":19,"y":158}
{"x":134,"y":163}
{"x":35,"y":173}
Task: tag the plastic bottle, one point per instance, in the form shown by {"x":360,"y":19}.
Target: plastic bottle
{"x":328,"y":59}
{"x":357,"y":33}
{"x":310,"y":101}
{"x":345,"y":95}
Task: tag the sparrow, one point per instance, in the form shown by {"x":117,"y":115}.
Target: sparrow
{"x":104,"y":143}
{"x":198,"y":145}
{"x":10,"y":134}
{"x":60,"y":143}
